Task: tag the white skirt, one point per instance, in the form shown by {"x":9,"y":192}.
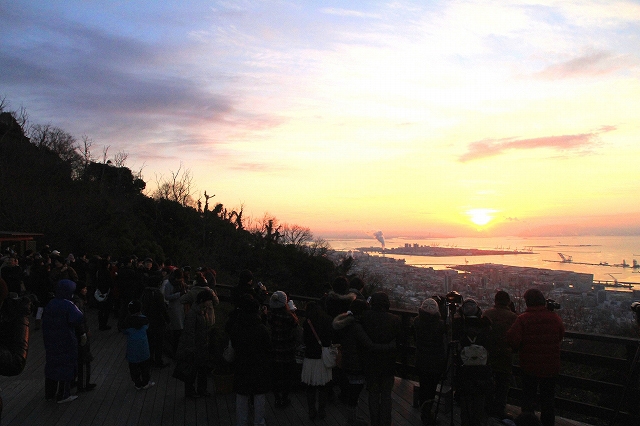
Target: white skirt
{"x":315,"y":373}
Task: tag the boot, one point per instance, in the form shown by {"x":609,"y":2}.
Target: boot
{"x":425,"y":413}
{"x":311,"y":402}
{"x":79,"y":382}
{"x":353,"y":419}
{"x":323,"y":396}
{"x":87,"y":379}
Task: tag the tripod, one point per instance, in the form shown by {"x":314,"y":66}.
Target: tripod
{"x":452,"y":354}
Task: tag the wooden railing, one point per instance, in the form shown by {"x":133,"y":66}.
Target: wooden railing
{"x":599,"y":373}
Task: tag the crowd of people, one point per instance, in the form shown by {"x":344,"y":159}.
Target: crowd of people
{"x":169,"y":311}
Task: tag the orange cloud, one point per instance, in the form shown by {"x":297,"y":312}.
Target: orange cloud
{"x":493,"y":147}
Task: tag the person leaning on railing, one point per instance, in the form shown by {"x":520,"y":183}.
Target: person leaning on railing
{"x":536,"y":335}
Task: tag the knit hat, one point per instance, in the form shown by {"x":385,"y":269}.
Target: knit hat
{"x":470,"y":308}
{"x":430,"y":307}
{"x":278,"y":299}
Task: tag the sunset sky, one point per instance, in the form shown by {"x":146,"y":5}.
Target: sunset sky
{"x":352,"y":117}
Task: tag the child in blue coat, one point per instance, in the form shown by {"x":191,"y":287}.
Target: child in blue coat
{"x":135,"y":328}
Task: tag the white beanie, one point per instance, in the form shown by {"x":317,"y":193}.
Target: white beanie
{"x":278,"y":299}
{"x":430,"y":306}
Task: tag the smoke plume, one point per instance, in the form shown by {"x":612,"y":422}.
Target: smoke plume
{"x":379,"y":237}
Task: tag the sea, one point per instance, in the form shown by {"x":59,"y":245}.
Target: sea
{"x":602,"y":256}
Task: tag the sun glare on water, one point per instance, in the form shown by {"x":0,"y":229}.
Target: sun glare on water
{"x":481,"y":217}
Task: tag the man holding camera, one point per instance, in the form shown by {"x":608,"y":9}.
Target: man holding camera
{"x":536,"y":335}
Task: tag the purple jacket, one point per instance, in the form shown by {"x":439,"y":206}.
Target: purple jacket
{"x":59,"y":321}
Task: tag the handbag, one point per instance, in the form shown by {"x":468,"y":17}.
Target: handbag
{"x":229,"y":354}
{"x":329,"y":353}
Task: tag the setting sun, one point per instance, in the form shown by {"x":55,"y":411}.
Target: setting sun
{"x":481,"y":216}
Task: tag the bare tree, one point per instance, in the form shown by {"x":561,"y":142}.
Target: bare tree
{"x":179,"y":187}
{"x":58,"y":141}
{"x":105,"y":154}
{"x":269,"y":228}
{"x":85,"y":149}
{"x":120,"y":158}
{"x":319,"y":247}
{"x":297,"y":235}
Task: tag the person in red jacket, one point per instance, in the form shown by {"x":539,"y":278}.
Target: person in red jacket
{"x":536,"y":335}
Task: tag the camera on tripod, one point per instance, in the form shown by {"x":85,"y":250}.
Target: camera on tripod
{"x":552,"y":305}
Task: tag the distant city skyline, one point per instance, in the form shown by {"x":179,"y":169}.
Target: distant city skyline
{"x":452,"y":118}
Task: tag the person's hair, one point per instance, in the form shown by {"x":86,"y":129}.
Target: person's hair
{"x":357,"y":283}
{"x":204,"y":296}
{"x":245,"y":277}
{"x":534,"y":297}
{"x":380,"y":301}
{"x":502,"y":298}
{"x":340,"y":285}
{"x":200,"y":279}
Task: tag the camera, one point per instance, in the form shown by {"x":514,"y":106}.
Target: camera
{"x":453,"y":298}
{"x":552,"y":305}
{"x":635,"y":307}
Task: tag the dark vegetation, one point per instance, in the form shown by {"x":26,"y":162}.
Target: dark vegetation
{"x":53,"y":185}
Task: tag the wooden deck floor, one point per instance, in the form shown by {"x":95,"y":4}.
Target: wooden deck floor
{"x":115,"y":401}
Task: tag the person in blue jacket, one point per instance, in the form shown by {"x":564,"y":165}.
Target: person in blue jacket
{"x":59,"y":321}
{"x":138,"y":355}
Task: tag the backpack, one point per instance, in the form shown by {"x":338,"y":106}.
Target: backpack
{"x":473,"y":354}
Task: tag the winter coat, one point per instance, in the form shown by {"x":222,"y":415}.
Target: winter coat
{"x":129,"y":283}
{"x":172,"y":294}
{"x":84,"y":351}
{"x":154,"y":307}
{"x":323,"y":327}
{"x":473,"y":379}
{"x":253,"y":355}
{"x":58,"y":274}
{"x":382,"y":327}
{"x":356,"y":343}
{"x":194,"y":340}
{"x":431,"y":351}
{"x":189,"y":298}
{"x":14,"y":337}
{"x":335,"y":304}
{"x":13,"y":276}
{"x":257,"y":292}
{"x":536,"y":334}
{"x":59,"y":321}
{"x":500,"y":353}
{"x":282,"y":324}
{"x":135,"y":328}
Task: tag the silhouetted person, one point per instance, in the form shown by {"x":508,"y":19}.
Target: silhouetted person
{"x":500,"y":353}
{"x":536,"y":335}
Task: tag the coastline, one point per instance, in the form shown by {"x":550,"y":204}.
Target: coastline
{"x":435,"y":251}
